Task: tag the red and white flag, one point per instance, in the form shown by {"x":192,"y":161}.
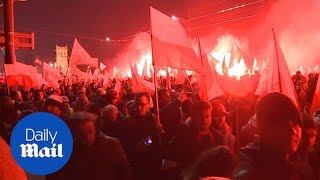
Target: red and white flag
{"x":79,"y":56}
{"x":102,"y":66}
{"x":37,"y":61}
{"x":106,"y":81}
{"x":210,"y":85}
{"x":95,"y":75}
{"x":48,"y":70}
{"x":171,"y":46}
{"x":278,"y":76}
{"x":139,"y":84}
{"x":316,"y":99}
{"x":239,"y":53}
{"x":180,"y":77}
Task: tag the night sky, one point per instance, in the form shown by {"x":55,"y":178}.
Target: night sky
{"x":57,"y":21}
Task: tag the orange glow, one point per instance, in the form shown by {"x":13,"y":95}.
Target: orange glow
{"x":238,"y":69}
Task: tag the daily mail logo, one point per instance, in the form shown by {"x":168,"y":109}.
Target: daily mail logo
{"x":32,"y":150}
{"x":41,"y":143}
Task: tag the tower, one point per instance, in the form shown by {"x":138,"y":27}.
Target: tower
{"x":62,"y":58}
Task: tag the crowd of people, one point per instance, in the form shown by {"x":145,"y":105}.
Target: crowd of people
{"x":120,"y":135}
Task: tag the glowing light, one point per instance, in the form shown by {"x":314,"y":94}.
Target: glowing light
{"x":174,"y":18}
{"x":238,"y":69}
{"x":108,"y":39}
{"x":162,"y":73}
{"x":189,"y":73}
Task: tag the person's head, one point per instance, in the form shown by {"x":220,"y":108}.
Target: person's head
{"x":201,"y":115}
{"x":57,"y":92}
{"x":101,"y":92}
{"x":123,"y":107}
{"x":89,"y":93}
{"x":53,"y":105}
{"x":29,"y":96}
{"x":219,"y":113}
{"x":18,"y":96}
{"x":218,"y":161}
{"x":113,"y":97}
{"x":38,"y":95}
{"x":43,"y":87}
{"x":82,"y":96}
{"x":309,"y":134}
{"x":110,"y":113}
{"x":85,"y":127}
{"x":279,"y":123}
{"x":142,"y":102}
{"x":65,"y":102}
{"x":164,"y":96}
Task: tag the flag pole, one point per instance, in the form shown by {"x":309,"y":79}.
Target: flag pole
{"x":204,"y":78}
{"x":6,"y":81}
{"x":277,"y":58}
{"x":154,"y":73}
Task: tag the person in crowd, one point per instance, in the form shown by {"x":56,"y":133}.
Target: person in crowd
{"x":279,"y":127}
{"x":164,"y":97}
{"x":221,"y":130}
{"x":123,"y":108}
{"x":112,"y":97}
{"x":66,"y":109}
{"x":248,"y":132}
{"x":140,"y":136}
{"x":308,"y":159}
{"x":38,"y":100}
{"x":9,"y":116}
{"x":218,"y":161}
{"x":192,"y":139}
{"x":53,"y":105}
{"x":82,"y":102}
{"x":95,"y":155}
{"x":171,"y":115}
{"x":109,"y":123}
{"x":17,"y":98}
{"x":56,"y":91}
{"x":90,"y":95}
{"x":69,"y":93}
{"x":302,"y":93}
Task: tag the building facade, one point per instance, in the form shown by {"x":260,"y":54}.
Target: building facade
{"x":61,"y":58}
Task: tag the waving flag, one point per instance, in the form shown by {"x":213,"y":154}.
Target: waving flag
{"x":170,"y":44}
{"x":102,"y":66}
{"x":79,"y":56}
{"x":139,"y":84}
{"x":278,"y":76}
{"x":316,"y":99}
{"x":210,"y":85}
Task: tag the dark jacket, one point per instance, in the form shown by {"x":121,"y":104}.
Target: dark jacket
{"x":145,"y":160}
{"x":256,"y":163}
{"x":223,"y":136}
{"x":186,"y":147}
{"x":105,"y":159}
{"x":170,"y":116}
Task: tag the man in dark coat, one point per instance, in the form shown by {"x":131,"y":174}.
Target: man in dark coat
{"x":220,"y":128}
{"x":192,"y":139}
{"x":279,"y":128}
{"x":140,"y":137}
{"x":95,"y":155}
